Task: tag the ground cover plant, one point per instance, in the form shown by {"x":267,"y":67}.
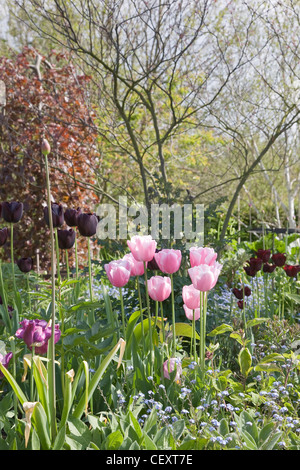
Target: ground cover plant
{"x":148,"y":348}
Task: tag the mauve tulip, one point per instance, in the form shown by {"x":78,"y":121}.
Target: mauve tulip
{"x":87,"y":224}
{"x":159,"y":288}
{"x":264,"y":255}
{"x":292,"y":270}
{"x":25,"y":264}
{"x":57,"y":214}
{"x":66,"y":238}
{"x":37,"y":333}
{"x":118,"y":272}
{"x":3,"y":236}
{"x":5,"y":361}
{"x":136,"y":267}
{"x":71,"y":217}
{"x":279,"y":259}
{"x":202,"y":255}
{"x":189,"y":312}
{"x":269,"y":268}
{"x":191,"y":297}
{"x":142,"y":247}
{"x":12,"y":211}
{"x":205,"y":277}
{"x":170,"y":365}
{"x":168,"y":260}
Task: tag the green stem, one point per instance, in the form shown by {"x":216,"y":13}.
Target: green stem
{"x":28,"y":289}
{"x":173,"y":317}
{"x":123,"y":313}
{"x":162,"y":321}
{"x":67,"y":264}
{"x":3,"y":295}
{"x":51,"y":370}
{"x":203,"y":307}
{"x":91,"y":311}
{"x":12,"y":255}
{"x":194,"y":336}
{"x":141,"y":313}
{"x":57,"y":254}
{"x":32,"y":375}
{"x":149,"y":318}
{"x":15,"y":399}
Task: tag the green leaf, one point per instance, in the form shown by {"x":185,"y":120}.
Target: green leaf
{"x":245,"y":361}
{"x":220,"y":330}
{"x":114,"y":440}
{"x":224,"y":429}
{"x":185,"y":329}
{"x":41,"y":425}
{"x":256,"y":321}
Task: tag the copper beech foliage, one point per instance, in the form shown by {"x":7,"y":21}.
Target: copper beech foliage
{"x":45,"y":98}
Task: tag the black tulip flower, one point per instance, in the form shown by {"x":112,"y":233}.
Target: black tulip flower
{"x":87,"y":224}
{"x":25,"y":264}
{"x":264,"y":255}
{"x":269,"y":268}
{"x":12,"y":211}
{"x":57,"y":214}
{"x":66,"y":238}
{"x":71,"y":217}
{"x":3,"y":236}
{"x":238,"y":293}
{"x":152,"y":265}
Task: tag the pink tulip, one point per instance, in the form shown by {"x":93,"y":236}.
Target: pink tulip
{"x":168,"y":260}
{"x":142,"y":247}
{"x":202,"y":255}
{"x":159,"y":288}
{"x":189,"y":312}
{"x":118,"y":272}
{"x":191,"y":297}
{"x":204,"y":277}
{"x":170,"y":365}
{"x":137,"y":267}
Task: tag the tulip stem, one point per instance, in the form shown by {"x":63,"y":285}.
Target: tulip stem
{"x":203,"y":307}
{"x":91,"y":312}
{"x":162,"y":321}
{"x":173,"y":316}
{"x":51,"y":371}
{"x":194,"y":335}
{"x":149,"y":317}
{"x":123,"y":313}
{"x":141,"y":313}
{"x":12,"y":255}
{"x":28,"y":289}
{"x":57,"y":254}
{"x":67,"y":264}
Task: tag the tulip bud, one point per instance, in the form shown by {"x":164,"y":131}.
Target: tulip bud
{"x":71,"y":217}
{"x":57,"y":214}
{"x":46,"y":149}
{"x":87,"y":224}
{"x":25,"y":264}
{"x":66,"y":239}
{"x":3,"y":236}
{"x":12,"y":211}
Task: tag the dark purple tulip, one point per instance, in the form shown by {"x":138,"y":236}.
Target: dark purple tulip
{"x":66,"y":238}
{"x":12,"y":211}
{"x":3,"y":236}
{"x":256,"y":263}
{"x":57,"y":214}
{"x":279,"y":259}
{"x":71,"y":216}
{"x":37,"y":333}
{"x":25,"y":264}
{"x":247,"y":291}
{"x":292,"y":270}
{"x":5,"y":361}
{"x":87,"y":224}
{"x":152,"y":265}
{"x":264,"y":255}
{"x":240,"y":304}
{"x":250,"y":271}
{"x":269,"y":268}
{"x":238,"y":293}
